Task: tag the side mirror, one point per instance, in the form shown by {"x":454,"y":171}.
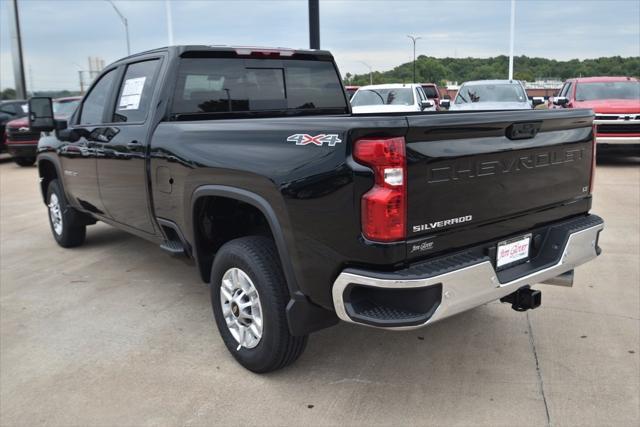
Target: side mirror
{"x":425,"y":104}
{"x":560,"y":100}
{"x":445,"y":103}
{"x":63,"y":133}
{"x":537,"y":100}
{"x":41,"y":114}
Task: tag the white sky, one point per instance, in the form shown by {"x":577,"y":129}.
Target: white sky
{"x":59,"y":36}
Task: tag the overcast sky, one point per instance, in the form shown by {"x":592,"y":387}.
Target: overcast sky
{"x":58,"y":36}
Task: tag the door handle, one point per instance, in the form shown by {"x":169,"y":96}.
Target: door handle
{"x":133,"y":144}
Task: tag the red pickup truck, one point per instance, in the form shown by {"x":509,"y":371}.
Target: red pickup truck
{"x":616,"y":103}
{"x":22,"y":142}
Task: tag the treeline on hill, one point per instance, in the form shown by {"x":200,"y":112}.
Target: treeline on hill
{"x":439,"y":70}
{"x":10,"y":93}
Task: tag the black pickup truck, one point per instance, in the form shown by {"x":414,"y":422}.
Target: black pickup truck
{"x":249,"y":163}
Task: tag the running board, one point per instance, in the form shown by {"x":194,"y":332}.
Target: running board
{"x":173,"y":247}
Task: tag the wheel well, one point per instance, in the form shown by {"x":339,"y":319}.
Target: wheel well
{"x":48,"y":173}
{"x":218,"y":220}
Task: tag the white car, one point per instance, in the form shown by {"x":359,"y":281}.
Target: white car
{"x":391,"y":98}
{"x":492,"y":95}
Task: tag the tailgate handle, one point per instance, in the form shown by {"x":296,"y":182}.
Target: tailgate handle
{"x":523,"y":130}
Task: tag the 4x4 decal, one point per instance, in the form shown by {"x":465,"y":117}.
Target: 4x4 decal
{"x":305,"y":139}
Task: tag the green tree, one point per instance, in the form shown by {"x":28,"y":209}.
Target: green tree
{"x":8,"y":93}
{"x":430,"y":69}
{"x":525,"y":75}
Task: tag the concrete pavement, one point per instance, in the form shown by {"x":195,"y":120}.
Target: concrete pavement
{"x":118,"y":333}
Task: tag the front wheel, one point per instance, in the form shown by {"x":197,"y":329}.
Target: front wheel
{"x":67,"y":227}
{"x":249,"y":298}
{"x":24,"y":161}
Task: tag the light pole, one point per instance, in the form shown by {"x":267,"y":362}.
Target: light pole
{"x":167,"y":9}
{"x":124,"y":22}
{"x":16,"y":50}
{"x":370,"y":71}
{"x":314,"y":24}
{"x":414,"y":40}
{"x":513,"y":25}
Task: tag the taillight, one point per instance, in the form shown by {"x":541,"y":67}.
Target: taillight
{"x":593,"y":160}
{"x":384,"y":207}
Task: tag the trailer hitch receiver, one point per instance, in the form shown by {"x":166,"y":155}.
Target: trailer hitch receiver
{"x":524,"y":299}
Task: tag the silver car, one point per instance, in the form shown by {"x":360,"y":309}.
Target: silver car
{"x":492,"y":95}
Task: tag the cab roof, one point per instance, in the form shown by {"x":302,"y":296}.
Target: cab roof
{"x":491,"y":82}
{"x":253,"y":51}
{"x":603,"y":79}
{"x":390,"y":86}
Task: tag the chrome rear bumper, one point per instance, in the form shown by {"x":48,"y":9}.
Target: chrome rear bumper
{"x":469,"y":286}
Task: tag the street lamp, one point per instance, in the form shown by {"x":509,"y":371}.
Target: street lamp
{"x":511,"y":36}
{"x":414,"y":40}
{"x":124,"y":22}
{"x":370,"y":71}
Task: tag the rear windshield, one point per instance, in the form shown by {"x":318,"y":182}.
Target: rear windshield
{"x":399,"y":96}
{"x":491,"y":93}
{"x":232,"y":85}
{"x":608,"y":90}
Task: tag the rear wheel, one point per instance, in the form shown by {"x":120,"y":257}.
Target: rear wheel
{"x":67,"y":226}
{"x":249,"y":298}
{"x":24,"y":161}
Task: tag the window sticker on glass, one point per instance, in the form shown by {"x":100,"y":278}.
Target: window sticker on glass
{"x":25,"y":108}
{"x":131,"y":94}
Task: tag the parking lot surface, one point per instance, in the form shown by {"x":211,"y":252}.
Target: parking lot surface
{"x":118,"y":333}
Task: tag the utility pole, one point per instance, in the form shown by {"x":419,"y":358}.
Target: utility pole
{"x":30,"y":87}
{"x":81,"y":82}
{"x":125,"y":23}
{"x":370,"y":72}
{"x":414,"y":40}
{"x":167,"y":8}
{"x":314,"y":24}
{"x":513,"y":25}
{"x":18,"y":61}
{"x":80,"y":77}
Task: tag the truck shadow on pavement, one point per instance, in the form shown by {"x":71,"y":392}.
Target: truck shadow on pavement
{"x":476,"y":342}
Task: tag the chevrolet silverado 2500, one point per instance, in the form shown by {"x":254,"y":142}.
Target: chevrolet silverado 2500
{"x":297,"y":213}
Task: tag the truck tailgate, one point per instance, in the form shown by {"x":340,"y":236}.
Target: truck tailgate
{"x":470,"y":170}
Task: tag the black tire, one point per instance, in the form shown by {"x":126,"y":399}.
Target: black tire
{"x":73,"y":229}
{"x":24,"y":161}
{"x":258,"y":258}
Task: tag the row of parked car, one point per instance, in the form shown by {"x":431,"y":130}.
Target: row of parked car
{"x":615,"y":101}
{"x":473,"y":95}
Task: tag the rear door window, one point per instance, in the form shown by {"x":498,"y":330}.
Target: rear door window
{"x":231,"y":85}
{"x":135,"y":92}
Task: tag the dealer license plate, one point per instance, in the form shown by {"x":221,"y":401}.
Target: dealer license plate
{"x":513,"y":250}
